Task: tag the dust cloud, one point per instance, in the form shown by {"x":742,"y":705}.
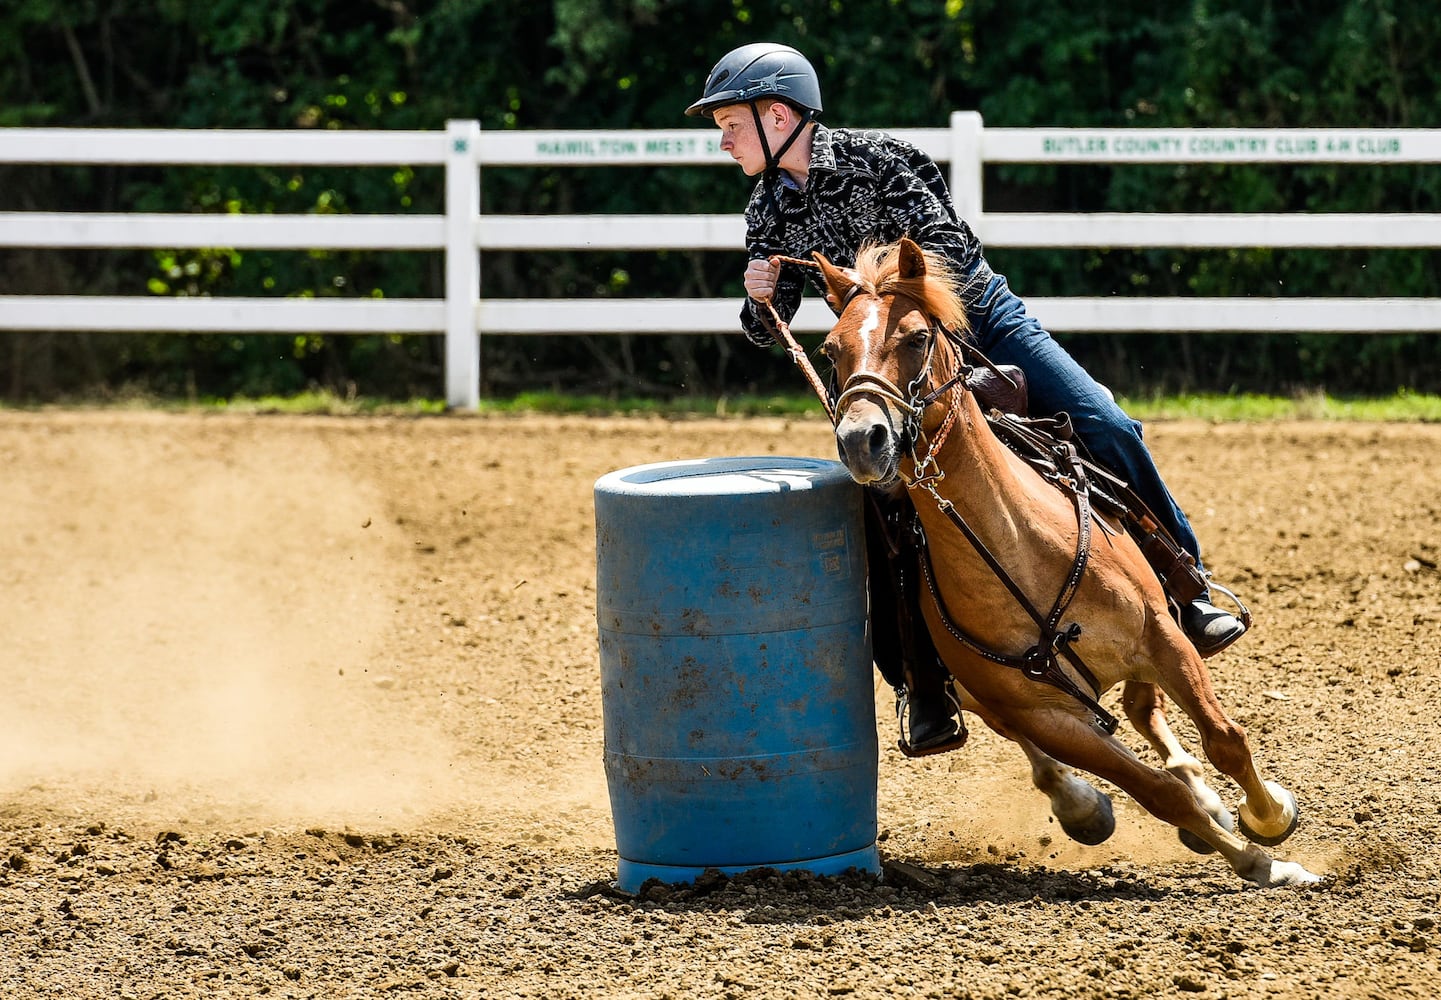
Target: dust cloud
{"x":154,"y":659}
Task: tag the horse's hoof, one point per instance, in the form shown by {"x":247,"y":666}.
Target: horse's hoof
{"x":1290,"y":873}
{"x":1284,"y":827}
{"x":1095,"y":828}
{"x":1195,"y":843}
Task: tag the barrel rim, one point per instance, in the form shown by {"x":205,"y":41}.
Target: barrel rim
{"x":662,"y":478}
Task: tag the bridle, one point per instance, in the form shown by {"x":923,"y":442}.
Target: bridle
{"x":1041,"y":661}
{"x":910,"y":401}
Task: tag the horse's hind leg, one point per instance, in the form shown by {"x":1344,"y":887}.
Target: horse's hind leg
{"x":1145,"y":707}
{"x":1069,"y":739}
{"x":1082,"y":809}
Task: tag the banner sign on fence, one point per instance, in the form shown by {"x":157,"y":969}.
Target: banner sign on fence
{"x":598,"y":148}
{"x":1214,"y":145}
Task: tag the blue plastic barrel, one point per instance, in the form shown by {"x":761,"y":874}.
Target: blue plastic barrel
{"x":735,"y":668}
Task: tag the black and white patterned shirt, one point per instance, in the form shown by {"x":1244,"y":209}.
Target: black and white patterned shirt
{"x":862,"y":186}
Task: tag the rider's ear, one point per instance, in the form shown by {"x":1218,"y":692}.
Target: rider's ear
{"x":839,"y":281}
{"x":912,"y":260}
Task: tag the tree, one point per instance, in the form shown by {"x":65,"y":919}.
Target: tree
{"x":637,"y":63}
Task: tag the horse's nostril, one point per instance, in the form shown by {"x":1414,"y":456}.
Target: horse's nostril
{"x":877,"y":438}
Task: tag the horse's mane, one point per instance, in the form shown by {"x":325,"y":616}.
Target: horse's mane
{"x":937,"y":292}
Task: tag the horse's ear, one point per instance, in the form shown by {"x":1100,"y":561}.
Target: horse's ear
{"x":911,"y":262}
{"x":839,"y":280}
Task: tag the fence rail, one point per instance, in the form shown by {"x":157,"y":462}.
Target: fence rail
{"x":462,"y":232}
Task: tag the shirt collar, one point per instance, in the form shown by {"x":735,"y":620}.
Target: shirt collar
{"x":823,"y":156}
{"x":823,"y":152}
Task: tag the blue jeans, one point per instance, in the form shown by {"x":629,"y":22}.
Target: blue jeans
{"x":1056,"y":383}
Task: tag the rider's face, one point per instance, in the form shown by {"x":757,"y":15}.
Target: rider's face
{"x":739,"y":138}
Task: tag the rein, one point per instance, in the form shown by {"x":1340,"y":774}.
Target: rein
{"x":782,"y":332}
{"x":1041,"y":661}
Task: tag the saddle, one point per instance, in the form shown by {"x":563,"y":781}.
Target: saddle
{"x":999,"y":387}
{"x":1049,"y":445}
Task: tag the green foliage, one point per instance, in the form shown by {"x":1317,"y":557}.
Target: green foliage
{"x":1407,"y":407}
{"x":408,"y":64}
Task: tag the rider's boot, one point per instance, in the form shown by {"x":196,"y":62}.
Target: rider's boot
{"x":1210,"y":629}
{"x":931,"y":722}
{"x":906,"y":657}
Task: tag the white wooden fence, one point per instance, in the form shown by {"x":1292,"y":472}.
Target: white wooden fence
{"x":462,"y":232}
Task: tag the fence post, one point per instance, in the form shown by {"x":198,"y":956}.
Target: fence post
{"x":462,"y":264}
{"x":967,"y":166}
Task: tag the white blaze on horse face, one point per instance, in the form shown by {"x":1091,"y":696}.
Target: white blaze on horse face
{"x":869,"y":326}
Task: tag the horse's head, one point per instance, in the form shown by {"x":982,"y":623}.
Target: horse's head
{"x":883,"y":346}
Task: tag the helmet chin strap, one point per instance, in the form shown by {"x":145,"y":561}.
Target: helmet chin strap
{"x":773,"y":160}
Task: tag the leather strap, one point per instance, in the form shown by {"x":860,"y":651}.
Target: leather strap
{"x":1040,"y":661}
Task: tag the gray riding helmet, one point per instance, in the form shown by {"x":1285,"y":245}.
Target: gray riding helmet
{"x":756,"y":71}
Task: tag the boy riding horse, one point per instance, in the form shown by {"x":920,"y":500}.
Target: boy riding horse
{"x":834,"y":190}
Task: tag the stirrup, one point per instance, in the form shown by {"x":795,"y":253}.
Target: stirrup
{"x":1243,"y":615}
{"x":903,"y":743}
{"x":954,"y":743}
{"x":1242,"y":612}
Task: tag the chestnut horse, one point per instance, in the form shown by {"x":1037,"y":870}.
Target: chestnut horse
{"x":904,"y":414}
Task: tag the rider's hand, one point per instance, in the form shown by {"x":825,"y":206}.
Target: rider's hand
{"x":760,"y":278}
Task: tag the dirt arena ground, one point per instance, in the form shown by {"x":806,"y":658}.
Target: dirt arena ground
{"x":309,"y":707}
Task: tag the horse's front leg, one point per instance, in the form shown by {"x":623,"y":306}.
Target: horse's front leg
{"x":1145,"y":707}
{"x":1082,"y":809}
